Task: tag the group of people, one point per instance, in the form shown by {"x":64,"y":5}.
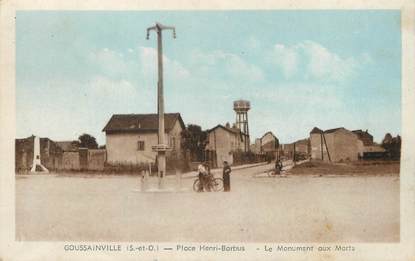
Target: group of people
{"x":205,"y":177}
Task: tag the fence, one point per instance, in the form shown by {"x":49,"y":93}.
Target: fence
{"x":240,"y":158}
{"x":83,"y":160}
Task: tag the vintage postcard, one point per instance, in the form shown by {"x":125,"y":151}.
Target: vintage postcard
{"x":249,"y":131}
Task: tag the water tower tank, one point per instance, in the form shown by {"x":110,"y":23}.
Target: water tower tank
{"x":241,"y":106}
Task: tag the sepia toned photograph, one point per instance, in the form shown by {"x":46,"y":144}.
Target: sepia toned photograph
{"x":208,"y":126}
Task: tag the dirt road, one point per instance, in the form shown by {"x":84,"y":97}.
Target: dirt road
{"x":258,"y":209}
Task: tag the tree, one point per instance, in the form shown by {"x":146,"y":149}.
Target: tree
{"x":87,"y":141}
{"x":194,"y":140}
{"x":387,"y":140}
{"x":396,"y":147}
{"x":75,"y":144}
{"x":392,"y":145}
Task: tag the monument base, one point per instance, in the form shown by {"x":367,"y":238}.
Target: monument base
{"x":42,"y":168}
{"x":154,"y":184}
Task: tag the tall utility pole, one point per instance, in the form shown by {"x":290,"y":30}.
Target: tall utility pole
{"x":161,"y":147}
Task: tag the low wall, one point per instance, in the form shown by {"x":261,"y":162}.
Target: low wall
{"x":96,"y":159}
{"x":84,"y":159}
{"x":70,"y":161}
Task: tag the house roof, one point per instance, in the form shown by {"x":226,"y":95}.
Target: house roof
{"x":141,"y":122}
{"x":364,"y":136}
{"x":303,"y":141}
{"x":232,"y":130}
{"x":317,"y":130}
{"x":235,"y":131}
{"x":268,"y":132}
{"x":362,"y":133}
{"x":333,"y":130}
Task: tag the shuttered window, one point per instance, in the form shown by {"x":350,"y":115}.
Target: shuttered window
{"x":140,"y":145}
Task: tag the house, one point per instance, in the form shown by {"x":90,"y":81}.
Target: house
{"x":256,"y":147}
{"x":368,"y":149}
{"x":269,"y":143}
{"x":301,"y":147}
{"x":364,"y":136}
{"x":130,"y":137}
{"x":340,"y":144}
{"x":287,"y":150}
{"x":335,"y":145}
{"x":223,"y":142}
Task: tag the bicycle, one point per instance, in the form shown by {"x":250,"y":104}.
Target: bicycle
{"x":215,"y":184}
{"x":273,"y":172}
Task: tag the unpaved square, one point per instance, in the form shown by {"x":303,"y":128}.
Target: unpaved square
{"x":299,"y":208}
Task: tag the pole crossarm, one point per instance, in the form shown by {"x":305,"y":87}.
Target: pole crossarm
{"x":148,"y":31}
{"x":159,"y":27}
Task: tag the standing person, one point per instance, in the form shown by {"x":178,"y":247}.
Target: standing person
{"x":226,"y":176}
{"x":278,"y":166}
{"x":202,"y":172}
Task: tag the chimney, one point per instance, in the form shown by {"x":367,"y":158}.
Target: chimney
{"x":227,"y":125}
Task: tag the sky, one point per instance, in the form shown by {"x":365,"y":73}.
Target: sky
{"x":299,"y":69}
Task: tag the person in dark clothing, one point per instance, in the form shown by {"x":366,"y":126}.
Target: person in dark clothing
{"x":226,"y":176}
{"x":278,"y":166}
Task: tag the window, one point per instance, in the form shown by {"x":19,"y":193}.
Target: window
{"x":140,"y":145}
{"x":173,"y":142}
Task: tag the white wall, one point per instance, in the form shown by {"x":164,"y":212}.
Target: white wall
{"x":122,"y":148}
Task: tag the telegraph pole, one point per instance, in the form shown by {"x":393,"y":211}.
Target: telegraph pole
{"x":162,"y":146}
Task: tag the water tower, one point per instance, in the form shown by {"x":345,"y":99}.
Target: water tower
{"x":241,"y":107}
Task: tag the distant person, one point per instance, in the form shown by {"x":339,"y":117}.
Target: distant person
{"x":278,"y":166}
{"x":226,"y":176}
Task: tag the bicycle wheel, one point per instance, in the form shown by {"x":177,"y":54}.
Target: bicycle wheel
{"x":271,"y":173}
{"x":196,"y":186}
{"x":217,"y":184}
